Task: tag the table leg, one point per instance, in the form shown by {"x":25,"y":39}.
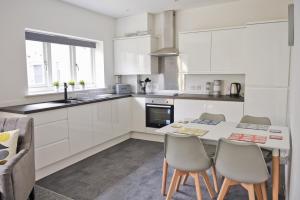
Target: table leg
{"x":275,"y":174}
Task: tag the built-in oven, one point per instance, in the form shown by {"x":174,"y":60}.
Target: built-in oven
{"x":159,"y":112}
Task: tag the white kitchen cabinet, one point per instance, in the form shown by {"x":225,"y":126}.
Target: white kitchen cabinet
{"x":52,"y":132}
{"x":233,"y":111}
{"x":138,"y":114}
{"x":102,"y":122}
{"x":121,"y":116}
{"x":194,"y":52}
{"x":51,"y":153}
{"x":132,"y":55}
{"x":186,"y":109}
{"x":51,"y":137}
{"x":267,"y":102}
{"x":80,"y":127}
{"x":267,"y":54}
{"x":227,"y":55}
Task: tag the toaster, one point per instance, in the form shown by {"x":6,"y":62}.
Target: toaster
{"x":123,"y":89}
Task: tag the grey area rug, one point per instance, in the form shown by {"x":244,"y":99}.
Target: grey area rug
{"x":131,"y":170}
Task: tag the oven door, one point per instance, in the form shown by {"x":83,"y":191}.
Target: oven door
{"x":158,"y":115}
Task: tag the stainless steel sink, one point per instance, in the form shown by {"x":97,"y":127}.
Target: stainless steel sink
{"x":69,"y":101}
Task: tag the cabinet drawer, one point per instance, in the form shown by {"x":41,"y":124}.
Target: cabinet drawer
{"x":50,"y":133}
{"x":49,"y":116}
{"x":51,"y":153}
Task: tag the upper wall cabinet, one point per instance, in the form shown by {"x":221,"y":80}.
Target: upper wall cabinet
{"x":227,"y":51}
{"x":267,"y":55}
{"x":132,"y":55}
{"x":194,"y":50}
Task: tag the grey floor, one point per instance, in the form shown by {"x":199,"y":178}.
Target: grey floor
{"x":128,"y":171}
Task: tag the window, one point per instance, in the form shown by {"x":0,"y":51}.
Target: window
{"x":53,"y":58}
{"x":36,"y":65}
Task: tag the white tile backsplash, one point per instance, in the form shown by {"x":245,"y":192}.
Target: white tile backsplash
{"x":196,"y":83}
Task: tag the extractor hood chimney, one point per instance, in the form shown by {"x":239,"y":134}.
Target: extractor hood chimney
{"x":168,"y":36}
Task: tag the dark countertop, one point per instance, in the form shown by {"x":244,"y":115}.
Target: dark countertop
{"x":193,"y":97}
{"x":45,"y":106}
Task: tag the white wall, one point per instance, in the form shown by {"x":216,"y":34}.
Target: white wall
{"x":294,"y":109}
{"x":46,"y":15}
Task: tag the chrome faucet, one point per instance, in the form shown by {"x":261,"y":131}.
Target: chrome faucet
{"x":66,"y":91}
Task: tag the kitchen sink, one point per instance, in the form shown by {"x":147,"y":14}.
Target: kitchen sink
{"x":69,"y":101}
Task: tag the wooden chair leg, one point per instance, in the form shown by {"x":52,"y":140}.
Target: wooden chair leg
{"x":173,"y":184}
{"x":264,"y":191}
{"x":215,"y":179}
{"x":251,"y":192}
{"x":258,"y":192}
{"x":224,"y":189}
{"x":178,"y":183}
{"x":185,"y":178}
{"x":250,"y":189}
{"x":208,"y":185}
{"x":197,"y":185}
{"x":164,"y":177}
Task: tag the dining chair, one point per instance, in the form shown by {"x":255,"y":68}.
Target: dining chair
{"x":260,"y":121}
{"x":255,"y":120}
{"x":242,"y":163}
{"x":210,"y":150}
{"x":186,"y":154}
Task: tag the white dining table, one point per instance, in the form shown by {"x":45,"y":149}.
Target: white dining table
{"x":280,"y":148}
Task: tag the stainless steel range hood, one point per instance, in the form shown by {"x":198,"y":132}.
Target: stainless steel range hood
{"x":168,"y":36}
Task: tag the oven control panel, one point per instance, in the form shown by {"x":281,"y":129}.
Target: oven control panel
{"x":162,"y":101}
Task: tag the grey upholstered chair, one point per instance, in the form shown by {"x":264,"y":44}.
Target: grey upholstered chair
{"x":261,"y":121}
{"x":186,"y":154}
{"x":17,"y":176}
{"x":242,"y":163}
{"x":255,"y":120}
{"x":214,"y":117}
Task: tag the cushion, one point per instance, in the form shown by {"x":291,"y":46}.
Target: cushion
{"x":8,"y":145}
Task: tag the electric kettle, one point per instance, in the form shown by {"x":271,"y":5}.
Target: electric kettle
{"x":235,"y":89}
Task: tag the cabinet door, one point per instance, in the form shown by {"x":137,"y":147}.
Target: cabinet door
{"x":138,"y":114}
{"x":188,"y":109}
{"x":121,"y":116}
{"x":267,"y":102}
{"x":102,"y":122}
{"x":52,"y":132}
{"x":233,"y":111}
{"x":125,"y":53}
{"x":80,"y":128}
{"x":227,"y":51}
{"x":194,"y":50}
{"x":267,"y":55}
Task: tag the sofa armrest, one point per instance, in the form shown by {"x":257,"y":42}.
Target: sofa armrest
{"x":8,"y":167}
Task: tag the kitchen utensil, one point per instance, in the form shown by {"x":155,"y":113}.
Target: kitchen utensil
{"x":235,"y":89}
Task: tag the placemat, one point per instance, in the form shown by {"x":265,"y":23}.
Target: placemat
{"x":253,"y":126}
{"x":192,"y":131}
{"x":248,"y":138}
{"x":206,"y":122}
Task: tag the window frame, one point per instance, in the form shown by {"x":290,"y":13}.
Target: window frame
{"x":73,"y":69}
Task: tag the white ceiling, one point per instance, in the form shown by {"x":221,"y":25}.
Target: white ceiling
{"x":121,"y":8}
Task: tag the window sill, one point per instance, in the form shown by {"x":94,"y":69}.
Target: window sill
{"x":61,"y":91}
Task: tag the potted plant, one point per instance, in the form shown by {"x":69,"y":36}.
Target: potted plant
{"x":56,"y":85}
{"x":82,"y":83}
{"x":72,"y":84}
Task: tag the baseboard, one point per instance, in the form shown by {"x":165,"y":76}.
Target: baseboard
{"x":50,"y":169}
{"x":147,"y":136}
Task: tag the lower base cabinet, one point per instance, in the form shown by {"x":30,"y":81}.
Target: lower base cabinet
{"x":121,"y":116}
{"x":102,"y":122}
{"x":192,"y":109}
{"x":80,"y":128}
